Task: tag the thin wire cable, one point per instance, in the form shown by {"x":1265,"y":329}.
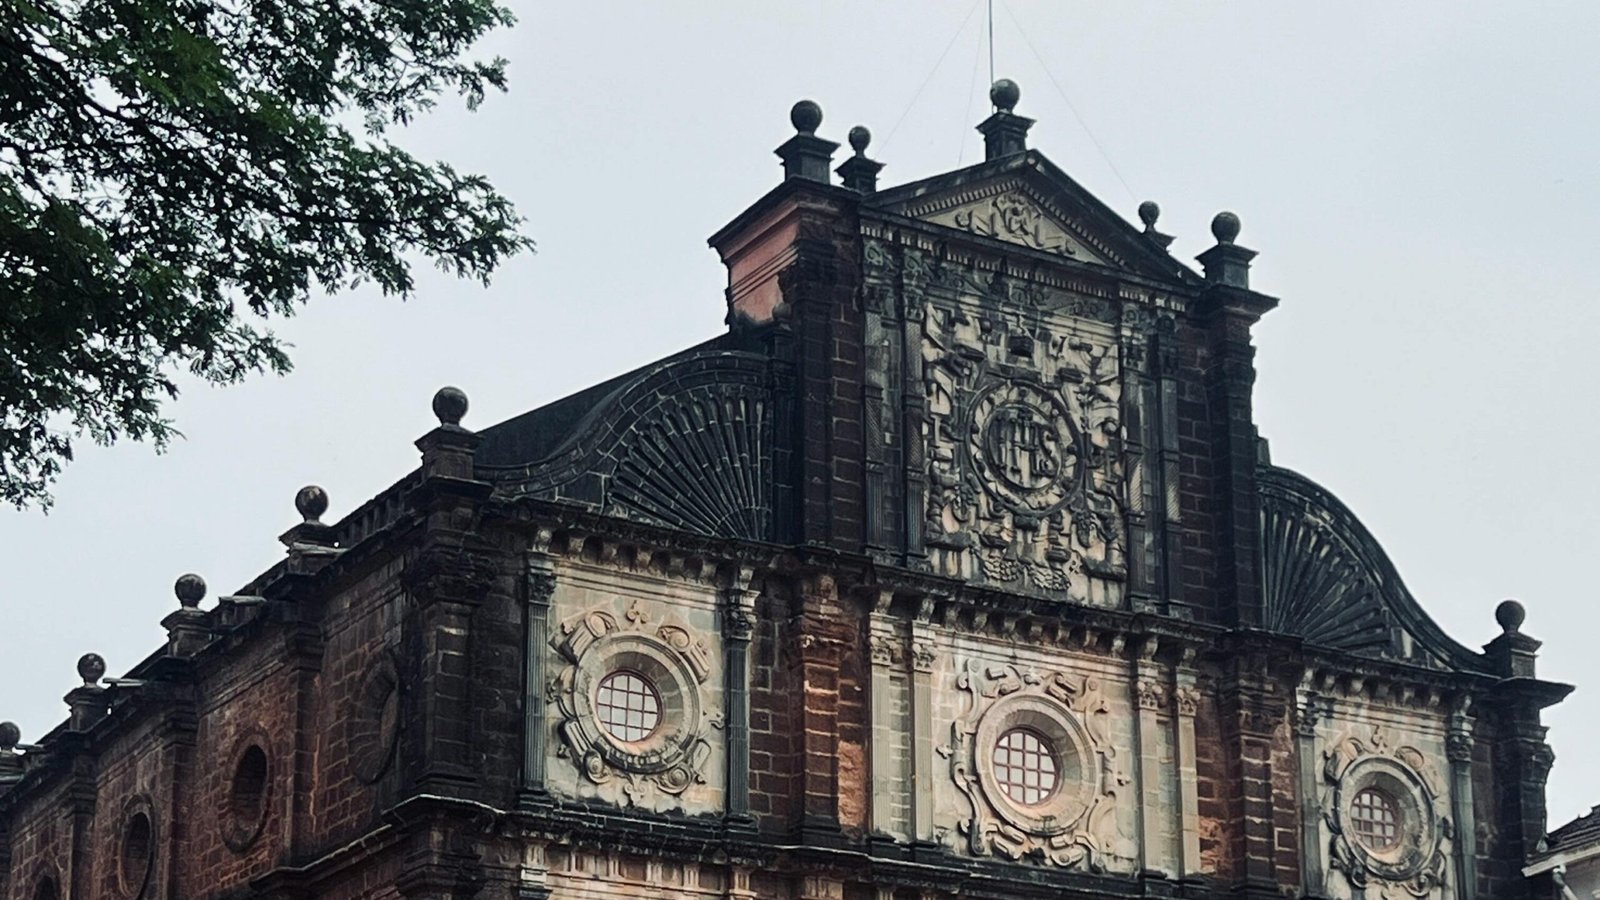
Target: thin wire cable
{"x":991,"y":47}
{"x":972,"y":87}
{"x":1062,"y":91}
{"x":931,"y":73}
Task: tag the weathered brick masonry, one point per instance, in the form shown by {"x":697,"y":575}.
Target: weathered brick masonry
{"x":955,"y":568}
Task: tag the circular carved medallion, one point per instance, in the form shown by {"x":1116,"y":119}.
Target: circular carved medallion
{"x":1023,"y":447}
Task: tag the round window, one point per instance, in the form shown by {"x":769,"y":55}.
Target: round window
{"x":1025,"y":766}
{"x":138,"y":849}
{"x":247,"y":799}
{"x":628,"y":706}
{"x":1375,"y":819}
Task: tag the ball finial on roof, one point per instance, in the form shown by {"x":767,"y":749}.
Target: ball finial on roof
{"x":450,"y":405}
{"x":191,"y":589}
{"x":1510,"y":614}
{"x":1004,"y":94}
{"x":1225,"y":227}
{"x":860,"y":137}
{"x":1149,"y":212}
{"x":91,"y":668}
{"x":805,"y":116}
{"x":10,"y":736}
{"x":311,"y":502}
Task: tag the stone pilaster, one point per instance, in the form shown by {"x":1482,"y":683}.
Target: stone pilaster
{"x":923,"y":656}
{"x":738,"y":626}
{"x":1458,"y":748}
{"x":886,"y":654}
{"x":1150,"y":696}
{"x":447,"y":579}
{"x":539,"y":585}
{"x":1185,"y":705}
{"x":1309,"y":711}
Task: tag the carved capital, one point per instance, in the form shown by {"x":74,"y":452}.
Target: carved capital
{"x":1188,"y":700}
{"x":886,"y":650}
{"x":1151,"y":695}
{"x":922,"y":655}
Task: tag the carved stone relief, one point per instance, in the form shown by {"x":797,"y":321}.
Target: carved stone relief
{"x":1025,"y":451}
{"x":1073,"y":826}
{"x":674,"y":661}
{"x":1013,"y":216}
{"x":1415,"y":863}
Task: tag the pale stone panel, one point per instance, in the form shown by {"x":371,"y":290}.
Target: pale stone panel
{"x":614,"y":618}
{"x":1399,"y":750}
{"x":1081,"y":703}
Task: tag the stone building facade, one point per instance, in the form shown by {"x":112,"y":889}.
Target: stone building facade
{"x":954,"y":568}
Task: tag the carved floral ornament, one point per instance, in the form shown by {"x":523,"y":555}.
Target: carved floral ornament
{"x":1025,"y":450}
{"x":1073,"y":825}
{"x":676,"y":666}
{"x":1360,"y":773}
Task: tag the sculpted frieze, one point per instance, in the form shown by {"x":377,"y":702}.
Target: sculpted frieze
{"x":1387,"y":811}
{"x":1034,"y":761}
{"x":1025,"y":450}
{"x":658,"y":737}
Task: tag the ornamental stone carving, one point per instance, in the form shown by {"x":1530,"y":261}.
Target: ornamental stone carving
{"x":1416,"y":858}
{"x":1024,"y":445}
{"x":1070,"y":823}
{"x":674,"y":661}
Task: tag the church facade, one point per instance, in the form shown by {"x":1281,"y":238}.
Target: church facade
{"x":954,"y":568}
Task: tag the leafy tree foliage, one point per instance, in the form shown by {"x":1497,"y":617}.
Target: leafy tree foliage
{"x":174,"y":173}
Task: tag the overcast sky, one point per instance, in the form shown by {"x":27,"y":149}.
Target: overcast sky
{"x":1420,"y":180}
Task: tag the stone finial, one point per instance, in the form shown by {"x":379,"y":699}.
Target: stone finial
{"x":191,"y":589}
{"x":450,"y":405}
{"x":859,"y":173}
{"x":1004,"y":133}
{"x":1510,"y":614}
{"x":860,"y":137}
{"x":312,"y":501}
{"x":1004,"y":94}
{"x":805,"y":156}
{"x":91,"y":668}
{"x":805,"y":116}
{"x":1225,"y":227}
{"x":10,"y":763}
{"x":1227,"y":263}
{"x":1512,"y":653}
{"x":1149,"y":212}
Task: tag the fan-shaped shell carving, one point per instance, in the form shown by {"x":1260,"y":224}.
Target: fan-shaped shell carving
{"x":1325,"y":579}
{"x":700,"y":461}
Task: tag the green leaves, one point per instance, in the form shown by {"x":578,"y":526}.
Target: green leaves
{"x":172,"y":174}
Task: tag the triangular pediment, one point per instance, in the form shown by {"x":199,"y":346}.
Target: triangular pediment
{"x":1027,"y":201}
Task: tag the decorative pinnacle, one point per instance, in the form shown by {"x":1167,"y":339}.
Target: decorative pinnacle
{"x":1225,"y":227}
{"x":91,"y":668}
{"x":1149,"y":212}
{"x":10,"y":736}
{"x":191,"y":589}
{"x":312,"y":501}
{"x":1510,"y":614}
{"x":1004,"y":94}
{"x":805,"y":116}
{"x":450,"y":404}
{"x":860,"y":137}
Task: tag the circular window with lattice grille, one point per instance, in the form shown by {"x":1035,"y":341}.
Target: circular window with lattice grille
{"x":1375,"y":819}
{"x":628,"y":706}
{"x":1025,"y":766}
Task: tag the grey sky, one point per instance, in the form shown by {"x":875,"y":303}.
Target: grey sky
{"x":1420,"y":179}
